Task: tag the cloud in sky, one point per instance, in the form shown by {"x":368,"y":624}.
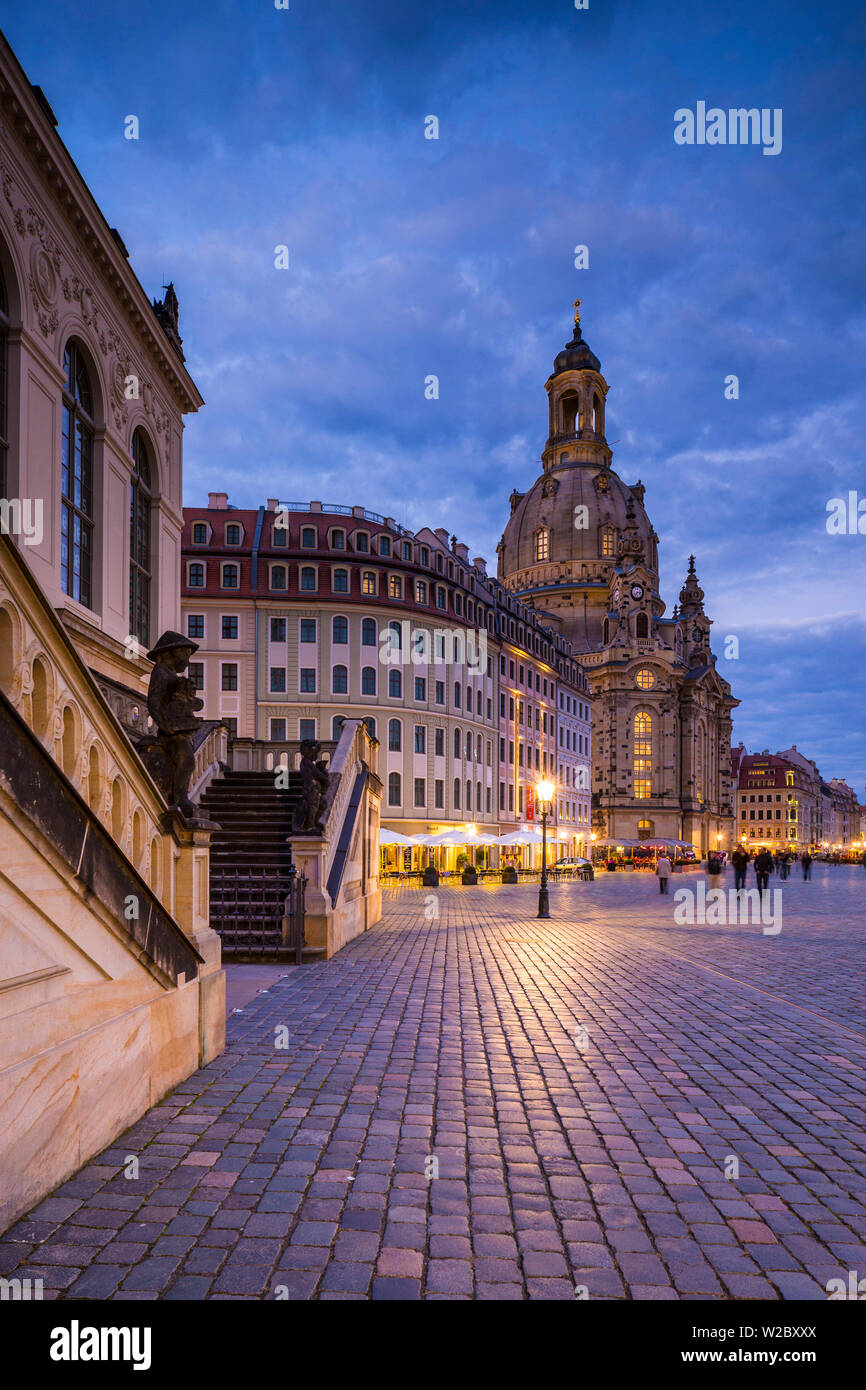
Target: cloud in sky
{"x":455,"y":257}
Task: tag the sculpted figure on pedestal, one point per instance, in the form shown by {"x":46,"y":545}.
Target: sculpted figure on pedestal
{"x":172,"y":702}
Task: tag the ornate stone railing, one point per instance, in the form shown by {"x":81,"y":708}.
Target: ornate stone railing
{"x":341,"y":866}
{"x":211,"y":756}
{"x":260,"y":755}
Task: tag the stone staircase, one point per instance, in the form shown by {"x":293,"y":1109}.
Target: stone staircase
{"x":250,"y":864}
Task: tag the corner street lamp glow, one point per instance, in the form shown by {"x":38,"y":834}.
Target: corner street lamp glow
{"x":544,"y":794}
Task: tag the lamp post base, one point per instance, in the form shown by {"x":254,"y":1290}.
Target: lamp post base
{"x":543,"y":902}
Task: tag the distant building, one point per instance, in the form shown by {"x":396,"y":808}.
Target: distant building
{"x":580,"y":548}
{"x":307,"y":614}
{"x":783,"y":801}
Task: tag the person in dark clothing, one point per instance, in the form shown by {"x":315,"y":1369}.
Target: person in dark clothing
{"x":806,"y":861}
{"x":740,"y":861}
{"x":763,"y":869}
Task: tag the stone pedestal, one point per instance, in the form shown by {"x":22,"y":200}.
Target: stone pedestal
{"x":309,"y":858}
{"x":192,"y":913}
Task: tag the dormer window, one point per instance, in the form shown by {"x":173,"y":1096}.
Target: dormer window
{"x":407,"y":550}
{"x":199,"y":533}
{"x":338,"y":540}
{"x":308,"y":537}
{"x":362,"y":542}
{"x":384,"y":545}
{"x":233,"y":534}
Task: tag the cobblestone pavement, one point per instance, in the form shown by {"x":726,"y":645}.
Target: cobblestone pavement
{"x":595,"y":1159}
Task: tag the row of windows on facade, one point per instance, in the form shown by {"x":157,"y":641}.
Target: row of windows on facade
{"x":568,"y":810}
{"x":278,"y":577}
{"x":308,"y":629}
{"x":340,"y":584}
{"x":524,"y":676}
{"x":78,"y":521}
{"x":607,"y":535}
{"x":362,"y":542}
{"x":308,"y":684}
{"x":791,"y":815}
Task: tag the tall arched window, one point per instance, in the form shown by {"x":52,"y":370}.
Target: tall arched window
{"x":643,"y":748}
{"x":395,"y":684}
{"x":456,"y":793}
{"x":4,"y":382}
{"x":340,"y":631}
{"x":340,"y":680}
{"x":542,"y":544}
{"x":642,"y":625}
{"x":608,"y":540}
{"x":393,"y":789}
{"x":605,"y":631}
{"x":395,"y":735}
{"x":368,"y":680}
{"x":457,"y":743}
{"x":368,"y":632}
{"x":76,"y":475}
{"x":140,"y":501}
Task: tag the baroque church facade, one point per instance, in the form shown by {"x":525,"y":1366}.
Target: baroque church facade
{"x":580,"y":547}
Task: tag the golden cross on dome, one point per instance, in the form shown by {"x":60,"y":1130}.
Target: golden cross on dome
{"x":577,"y":303}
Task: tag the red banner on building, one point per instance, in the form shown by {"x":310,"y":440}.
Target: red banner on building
{"x":530,"y":803}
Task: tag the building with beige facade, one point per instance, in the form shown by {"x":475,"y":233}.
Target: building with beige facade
{"x":309,"y":614}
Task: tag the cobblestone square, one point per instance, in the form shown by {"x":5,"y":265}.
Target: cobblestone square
{"x":484,"y":1105}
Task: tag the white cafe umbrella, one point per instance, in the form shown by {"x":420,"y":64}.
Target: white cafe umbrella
{"x":393,"y":837}
{"x":456,"y":837}
{"x":522,"y":837}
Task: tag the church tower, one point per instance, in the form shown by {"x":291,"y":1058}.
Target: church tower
{"x":580,"y":547}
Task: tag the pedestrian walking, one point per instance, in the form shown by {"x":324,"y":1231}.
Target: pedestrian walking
{"x":663,"y":870}
{"x":740,"y":861}
{"x":806,"y":861}
{"x":784,"y":865}
{"x":763,"y":869}
{"x":714,"y":870}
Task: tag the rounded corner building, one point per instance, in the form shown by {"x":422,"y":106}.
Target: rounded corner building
{"x":580,"y":548}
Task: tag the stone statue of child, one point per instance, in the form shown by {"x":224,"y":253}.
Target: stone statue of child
{"x":172,"y":702}
{"x":315,"y":779}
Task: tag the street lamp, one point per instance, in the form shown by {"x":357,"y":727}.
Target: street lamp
{"x":544,"y":793}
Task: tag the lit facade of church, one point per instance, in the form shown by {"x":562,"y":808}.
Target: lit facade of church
{"x":580,"y":547}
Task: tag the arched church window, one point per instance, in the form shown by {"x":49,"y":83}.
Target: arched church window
{"x":605,"y":631}
{"x":76,"y":470}
{"x":140,"y":502}
{"x":570,"y":407}
{"x":608,"y":540}
{"x":700,"y":739}
{"x":597,"y":418}
{"x":642,"y":625}
{"x":643,"y":747}
{"x":542,"y":544}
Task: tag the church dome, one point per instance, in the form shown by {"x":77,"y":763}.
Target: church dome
{"x":576,"y":356}
{"x":568,"y":527}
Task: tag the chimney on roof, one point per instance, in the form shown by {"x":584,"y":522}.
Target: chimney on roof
{"x":273,"y":504}
{"x":217,"y":501}
{"x":442,"y":535}
{"x":480,"y":564}
{"x":462,"y":551}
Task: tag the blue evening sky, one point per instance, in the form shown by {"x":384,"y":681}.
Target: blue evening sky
{"x":305,"y":127}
